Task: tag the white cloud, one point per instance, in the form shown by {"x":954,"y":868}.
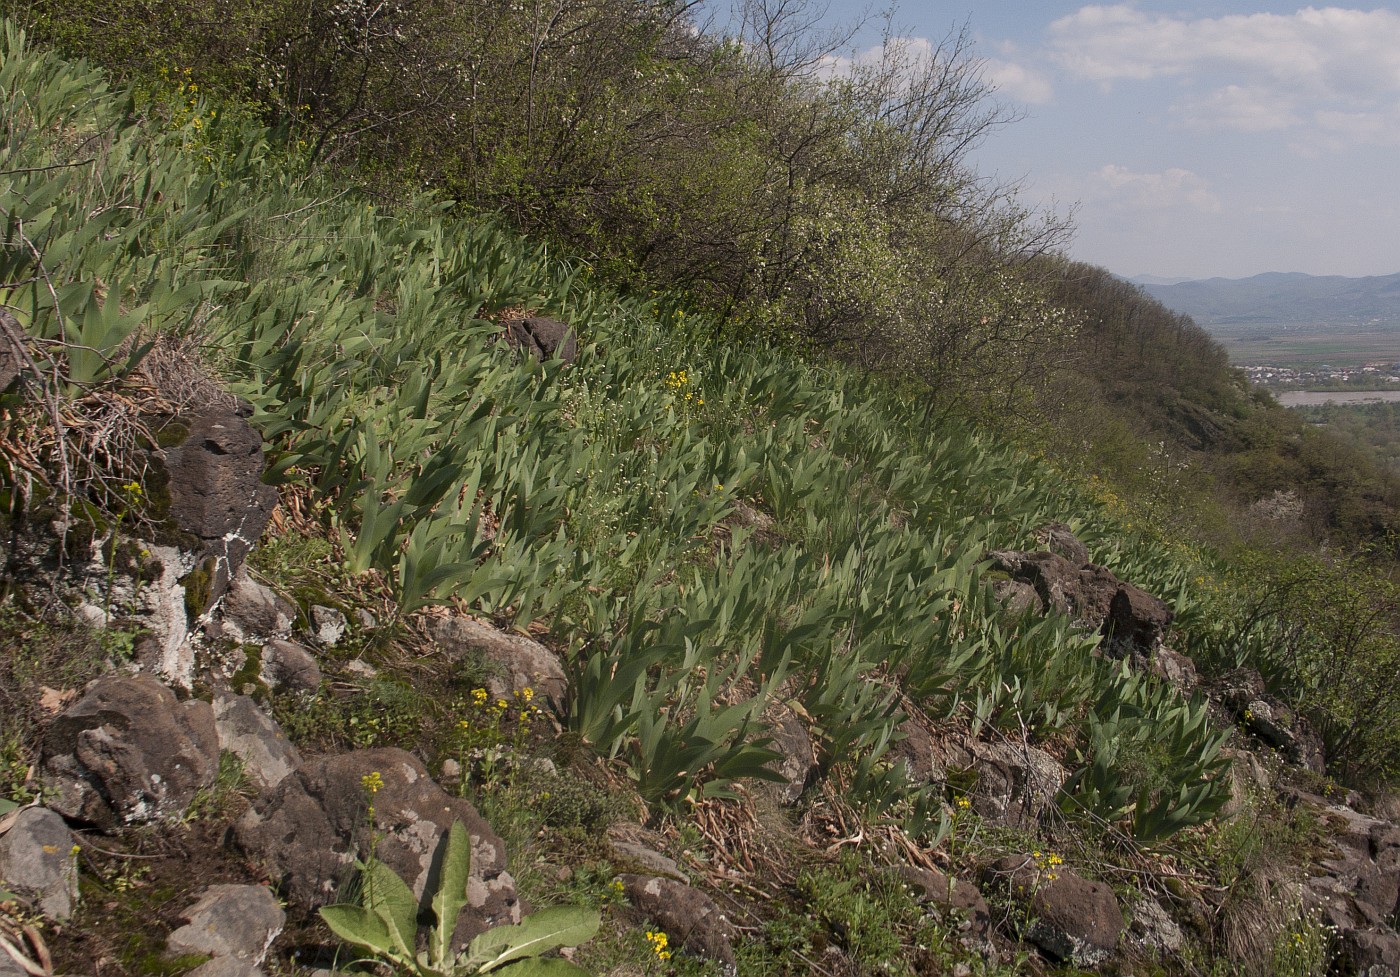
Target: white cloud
{"x":1241,"y":108}
{"x":1381,"y":128}
{"x":905,"y":51}
{"x":1018,"y":82}
{"x":1170,"y":189}
{"x":1247,"y":72}
{"x":909,"y":55}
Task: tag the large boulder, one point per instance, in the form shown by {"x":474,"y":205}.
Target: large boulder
{"x":932,"y":886}
{"x":687,"y":915}
{"x":37,"y":860}
{"x":236,"y":921}
{"x":129,"y":751}
{"x":256,"y":739}
{"x":1070,"y":918}
{"x":542,"y":338}
{"x":1063,"y":580}
{"x":513,"y":662}
{"x":309,"y":830}
{"x":1085,"y":593}
{"x":1136,"y":620}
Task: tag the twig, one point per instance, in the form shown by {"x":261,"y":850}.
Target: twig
{"x":117,"y":854}
{"x":42,"y":169}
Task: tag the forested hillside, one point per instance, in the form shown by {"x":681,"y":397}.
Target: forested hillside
{"x":677,"y":468}
{"x":835,"y":214}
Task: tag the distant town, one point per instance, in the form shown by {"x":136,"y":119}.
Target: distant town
{"x":1371,"y":376}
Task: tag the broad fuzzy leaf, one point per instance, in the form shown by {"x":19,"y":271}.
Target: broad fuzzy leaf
{"x":451,"y":895}
{"x":540,"y":933}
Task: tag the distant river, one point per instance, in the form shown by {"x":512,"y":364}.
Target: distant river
{"x":1307,"y":398}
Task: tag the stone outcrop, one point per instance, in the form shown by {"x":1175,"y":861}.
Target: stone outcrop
{"x":1242,"y":695}
{"x":216,"y":493}
{"x":1008,"y":783}
{"x":1358,"y":889}
{"x":1133,"y":621}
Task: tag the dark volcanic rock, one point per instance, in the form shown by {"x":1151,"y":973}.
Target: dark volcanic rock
{"x":543,"y":338}
{"x":1071,"y":918}
{"x":1058,"y":538}
{"x":1269,"y":718}
{"x":1136,"y":619}
{"x":686,"y":914}
{"x":309,"y":829}
{"x":129,"y":751}
{"x":216,"y":490}
{"x":1080,"y":592}
{"x":930,"y":885}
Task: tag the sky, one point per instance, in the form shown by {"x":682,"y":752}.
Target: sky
{"x":1191,"y":139}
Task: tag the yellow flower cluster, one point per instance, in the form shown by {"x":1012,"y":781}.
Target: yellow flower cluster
{"x":1048,"y":862}
{"x":659,"y":941}
{"x":524,"y":699}
{"x":963,"y":804}
{"x":372,"y":782}
{"x":680,"y":383}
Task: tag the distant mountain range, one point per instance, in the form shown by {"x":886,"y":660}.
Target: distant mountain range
{"x":1281,"y":298}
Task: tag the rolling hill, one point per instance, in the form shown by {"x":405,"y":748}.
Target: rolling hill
{"x":1283,"y":298}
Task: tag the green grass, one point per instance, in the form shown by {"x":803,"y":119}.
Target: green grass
{"x":591,"y":497}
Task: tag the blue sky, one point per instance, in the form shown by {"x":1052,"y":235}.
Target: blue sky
{"x":1193,"y":139}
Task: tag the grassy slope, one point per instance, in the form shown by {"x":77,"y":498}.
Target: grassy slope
{"x":590,"y":500}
